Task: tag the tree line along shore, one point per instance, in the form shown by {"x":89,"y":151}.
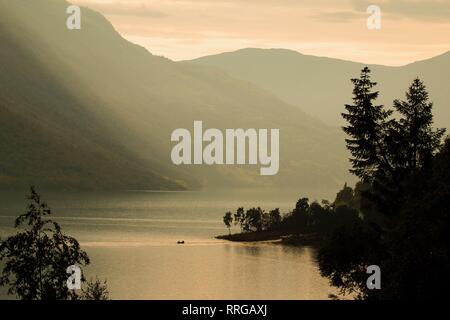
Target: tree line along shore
{"x":396,"y":217}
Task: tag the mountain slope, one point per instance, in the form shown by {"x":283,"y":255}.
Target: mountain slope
{"x":321,"y":86}
{"x":48,"y":136}
{"x":113,"y":102}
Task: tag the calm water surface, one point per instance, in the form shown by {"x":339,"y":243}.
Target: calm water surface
{"x":131,"y":240}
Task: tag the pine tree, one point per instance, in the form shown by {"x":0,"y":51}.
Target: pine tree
{"x":367,"y":126}
{"x":419,"y":141}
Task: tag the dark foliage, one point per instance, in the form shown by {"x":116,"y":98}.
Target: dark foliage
{"x":228,"y":220}
{"x":403,"y":201}
{"x":96,"y":290}
{"x":366,"y":128}
{"x":36,"y":258}
{"x":304,"y":218}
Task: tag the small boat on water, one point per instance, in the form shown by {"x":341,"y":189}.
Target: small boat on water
{"x":180,"y":242}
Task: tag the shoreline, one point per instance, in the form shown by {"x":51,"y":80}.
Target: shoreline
{"x":311,"y":239}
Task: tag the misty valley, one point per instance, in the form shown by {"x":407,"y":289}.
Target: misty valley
{"x":147,"y":152}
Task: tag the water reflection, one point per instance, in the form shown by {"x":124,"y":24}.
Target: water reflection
{"x":131,"y":240}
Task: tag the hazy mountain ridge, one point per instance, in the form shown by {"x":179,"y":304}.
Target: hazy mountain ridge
{"x":321,"y":86}
{"x":92,"y":91}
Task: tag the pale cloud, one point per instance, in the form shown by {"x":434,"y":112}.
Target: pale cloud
{"x":184,"y":29}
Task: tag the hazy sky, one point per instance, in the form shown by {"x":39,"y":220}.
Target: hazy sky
{"x":184,"y":29}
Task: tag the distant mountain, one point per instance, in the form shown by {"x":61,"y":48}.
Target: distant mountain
{"x":88,"y":109}
{"x":321,"y":86}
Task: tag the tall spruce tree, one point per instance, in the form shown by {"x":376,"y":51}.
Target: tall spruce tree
{"x":416,"y":136}
{"x":367,"y":125}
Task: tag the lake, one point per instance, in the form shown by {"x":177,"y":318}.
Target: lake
{"x":131,"y":238}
